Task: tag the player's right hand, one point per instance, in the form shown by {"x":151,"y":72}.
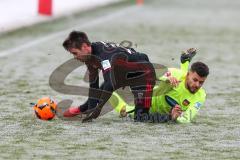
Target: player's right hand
{"x":173,"y":81}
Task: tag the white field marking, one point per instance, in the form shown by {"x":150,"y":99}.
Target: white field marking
{"x":59,"y":33}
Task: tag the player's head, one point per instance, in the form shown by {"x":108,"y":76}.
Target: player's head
{"x":78,"y":44}
{"x":196,"y":76}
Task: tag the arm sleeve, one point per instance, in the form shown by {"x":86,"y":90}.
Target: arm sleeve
{"x":190,"y":113}
{"x":172,"y":72}
{"x":93,"y":84}
{"x":107,"y":89}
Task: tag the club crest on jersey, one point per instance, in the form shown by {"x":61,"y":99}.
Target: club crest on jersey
{"x":106,"y":64}
{"x":185,"y":102}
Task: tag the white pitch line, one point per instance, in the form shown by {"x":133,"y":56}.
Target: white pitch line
{"x":99,"y":20}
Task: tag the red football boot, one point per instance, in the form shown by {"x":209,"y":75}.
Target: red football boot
{"x":71,"y":112}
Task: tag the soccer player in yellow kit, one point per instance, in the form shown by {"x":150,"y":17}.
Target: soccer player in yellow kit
{"x":178,"y":97}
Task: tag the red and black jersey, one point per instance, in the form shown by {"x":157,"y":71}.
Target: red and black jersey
{"x":117,"y":64}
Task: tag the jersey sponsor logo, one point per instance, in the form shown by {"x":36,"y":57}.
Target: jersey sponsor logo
{"x":129,"y":51}
{"x":106,"y":64}
{"x":198,"y":105}
{"x":185,"y":102}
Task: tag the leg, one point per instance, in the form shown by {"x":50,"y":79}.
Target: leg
{"x":143,"y":99}
{"x":119,"y":105}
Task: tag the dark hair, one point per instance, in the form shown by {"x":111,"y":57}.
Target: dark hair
{"x":75,"y":40}
{"x":200,"y":68}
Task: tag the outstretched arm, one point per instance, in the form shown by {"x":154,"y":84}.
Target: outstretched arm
{"x":188,"y":115}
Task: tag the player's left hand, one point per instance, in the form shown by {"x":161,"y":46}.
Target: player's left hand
{"x":92,"y":114}
{"x":176,"y":112}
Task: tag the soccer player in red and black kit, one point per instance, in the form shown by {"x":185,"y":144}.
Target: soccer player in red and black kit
{"x":121,"y":66}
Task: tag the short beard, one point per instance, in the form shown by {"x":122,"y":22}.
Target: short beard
{"x":190,"y":89}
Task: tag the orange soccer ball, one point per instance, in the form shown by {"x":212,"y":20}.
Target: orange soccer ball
{"x":45,"y":109}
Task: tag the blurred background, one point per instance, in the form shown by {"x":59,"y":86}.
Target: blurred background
{"x":16,"y":14}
